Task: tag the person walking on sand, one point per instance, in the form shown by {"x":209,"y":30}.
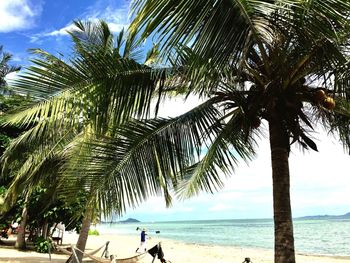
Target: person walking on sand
{"x":143,"y":240}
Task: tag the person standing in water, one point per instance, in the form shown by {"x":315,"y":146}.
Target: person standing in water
{"x":143,"y":240}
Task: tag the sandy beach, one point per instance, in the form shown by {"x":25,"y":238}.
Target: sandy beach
{"x":177,"y":252}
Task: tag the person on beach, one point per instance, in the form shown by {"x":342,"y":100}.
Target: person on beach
{"x":143,"y":240}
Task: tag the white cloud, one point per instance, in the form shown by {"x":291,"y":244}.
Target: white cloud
{"x":61,"y":32}
{"x":116,"y":18}
{"x":115,"y":27}
{"x":11,"y":76}
{"x":18,"y":14}
{"x":37,"y":38}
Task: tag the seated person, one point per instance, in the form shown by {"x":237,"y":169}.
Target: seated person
{"x":4,"y":233}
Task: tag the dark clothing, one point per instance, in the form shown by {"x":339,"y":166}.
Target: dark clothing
{"x":143,"y":236}
{"x":156,"y":251}
{"x":143,"y":241}
{"x":153,"y":251}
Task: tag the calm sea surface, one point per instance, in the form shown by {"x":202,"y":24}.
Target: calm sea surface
{"x":322,"y":237}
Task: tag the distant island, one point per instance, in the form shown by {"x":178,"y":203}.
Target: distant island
{"x":129,"y":220}
{"x":345,"y":216}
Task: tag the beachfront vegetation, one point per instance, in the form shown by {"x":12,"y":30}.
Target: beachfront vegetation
{"x":5,"y":69}
{"x":280,"y":65}
{"x":88,"y":97}
{"x":9,"y":101}
{"x":94,"y":232}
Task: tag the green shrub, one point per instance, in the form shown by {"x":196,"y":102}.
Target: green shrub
{"x":93,"y":232}
{"x":42,"y":245}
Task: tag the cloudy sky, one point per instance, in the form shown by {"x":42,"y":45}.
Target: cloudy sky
{"x":320,"y":181}
{"x":43,"y":24}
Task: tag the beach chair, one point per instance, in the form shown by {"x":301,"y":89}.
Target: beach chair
{"x":71,"y":251}
{"x":155,"y":251}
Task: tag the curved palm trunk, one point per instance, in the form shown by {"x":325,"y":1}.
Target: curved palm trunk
{"x":284,"y":239}
{"x":20,"y":241}
{"x":83,"y":235}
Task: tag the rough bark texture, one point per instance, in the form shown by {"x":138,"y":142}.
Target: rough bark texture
{"x":83,"y":235}
{"x":20,"y":241}
{"x":284,"y":239}
{"x":45,"y":230}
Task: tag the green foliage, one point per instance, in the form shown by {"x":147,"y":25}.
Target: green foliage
{"x":87,"y":96}
{"x":5,"y":68}
{"x":14,"y":102}
{"x":42,"y":245}
{"x":94,"y":232}
{"x":2,"y":190}
{"x":255,"y":60}
{"x":4,"y":140}
{"x":44,"y":207}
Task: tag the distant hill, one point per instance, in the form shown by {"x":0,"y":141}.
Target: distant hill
{"x":130,"y":220}
{"x":345,"y":216}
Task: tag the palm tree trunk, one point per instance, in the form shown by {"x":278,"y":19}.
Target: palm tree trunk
{"x":20,"y":241}
{"x":284,"y":238}
{"x":45,"y":229}
{"x":83,"y":235}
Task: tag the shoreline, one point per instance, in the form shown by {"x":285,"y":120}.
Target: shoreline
{"x":123,"y":246}
{"x":347,"y":257}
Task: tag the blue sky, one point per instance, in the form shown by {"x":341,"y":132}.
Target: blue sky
{"x":42,"y":24}
{"x":320,"y":182}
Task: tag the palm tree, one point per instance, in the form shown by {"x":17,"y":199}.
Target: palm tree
{"x":7,"y":102}
{"x":5,"y":68}
{"x":284,"y":62}
{"x":101,"y":87}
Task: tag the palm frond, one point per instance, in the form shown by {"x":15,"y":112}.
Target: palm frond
{"x":229,"y":145}
{"x":142,"y":158}
{"x":194,"y":23}
{"x":156,"y":155}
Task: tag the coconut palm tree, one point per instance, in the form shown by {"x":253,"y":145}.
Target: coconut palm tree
{"x":87,"y":97}
{"x":7,"y":102}
{"x":284,"y":62}
{"x":5,"y":68}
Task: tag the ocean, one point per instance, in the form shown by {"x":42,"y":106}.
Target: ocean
{"x":312,"y":236}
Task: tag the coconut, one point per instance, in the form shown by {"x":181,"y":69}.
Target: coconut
{"x":329,"y":103}
{"x":320,"y":95}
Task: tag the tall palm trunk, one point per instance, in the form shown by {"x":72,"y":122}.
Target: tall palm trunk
{"x":284,"y":239}
{"x":45,"y":229}
{"x":20,"y":241}
{"x":83,"y":235}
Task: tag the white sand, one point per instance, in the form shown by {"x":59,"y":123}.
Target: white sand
{"x":176,"y":252}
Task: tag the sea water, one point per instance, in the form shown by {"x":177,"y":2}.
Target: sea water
{"x":312,"y":236}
